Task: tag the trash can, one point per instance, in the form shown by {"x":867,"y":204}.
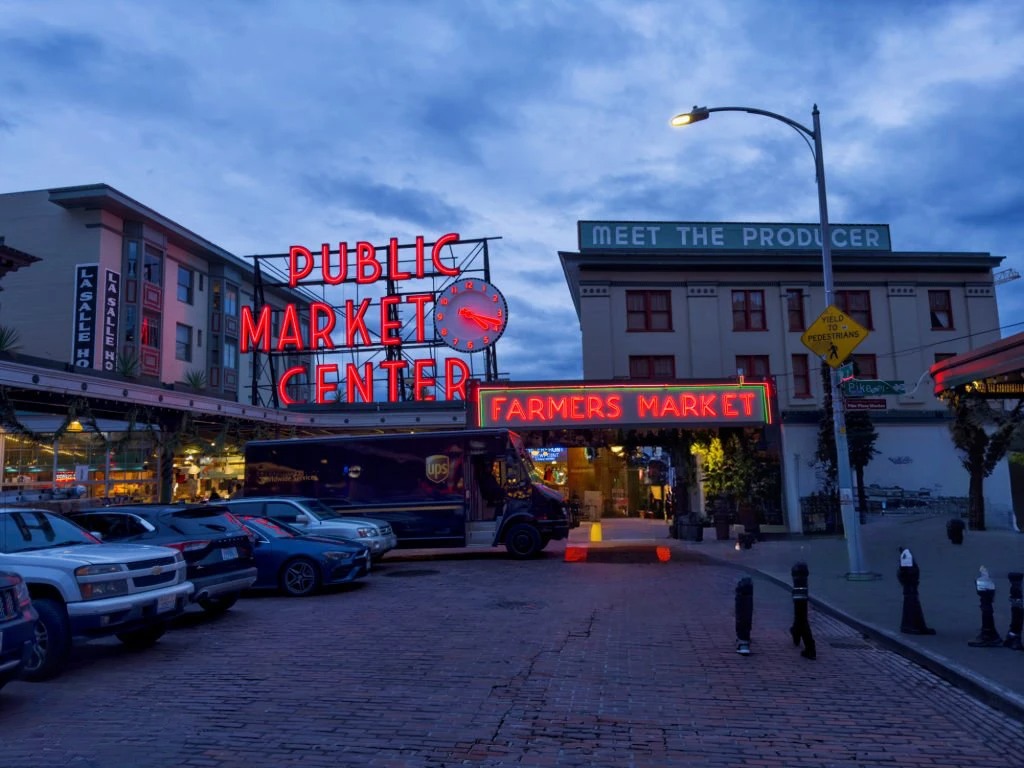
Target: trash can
{"x":688,"y":529}
{"x":955,"y":530}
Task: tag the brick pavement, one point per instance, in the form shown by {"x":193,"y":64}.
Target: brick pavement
{"x":490,"y":662}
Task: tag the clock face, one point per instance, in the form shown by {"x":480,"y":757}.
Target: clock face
{"x":470,"y":315}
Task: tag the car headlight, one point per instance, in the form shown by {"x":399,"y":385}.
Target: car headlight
{"x":337,"y":556}
{"x":365,"y":533}
{"x":97,"y":570}
{"x":21,"y":591}
{"x":93,"y":590}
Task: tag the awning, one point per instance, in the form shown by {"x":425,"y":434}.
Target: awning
{"x":994,"y":370}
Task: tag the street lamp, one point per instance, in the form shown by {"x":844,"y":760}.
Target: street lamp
{"x":850,"y":520}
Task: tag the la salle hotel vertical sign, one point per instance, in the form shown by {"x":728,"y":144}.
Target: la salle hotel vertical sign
{"x":87,"y":291}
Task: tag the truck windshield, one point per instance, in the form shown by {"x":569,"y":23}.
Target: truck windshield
{"x":321,"y":510}
{"x":528,"y":471}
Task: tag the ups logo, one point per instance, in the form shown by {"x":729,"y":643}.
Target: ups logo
{"x":438,"y":467}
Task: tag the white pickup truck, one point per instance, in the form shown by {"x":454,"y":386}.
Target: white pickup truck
{"x":81,"y":587}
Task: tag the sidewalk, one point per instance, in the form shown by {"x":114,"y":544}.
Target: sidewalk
{"x":947,"y":591}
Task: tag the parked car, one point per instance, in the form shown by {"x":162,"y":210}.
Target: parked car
{"x":218,"y":550}
{"x":311,"y":516}
{"x":300,"y":565}
{"x":17,"y":626}
{"x":81,"y":587}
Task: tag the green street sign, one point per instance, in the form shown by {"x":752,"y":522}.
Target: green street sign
{"x":873,"y":388}
{"x":845,"y":371}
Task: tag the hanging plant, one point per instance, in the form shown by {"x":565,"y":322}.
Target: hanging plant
{"x":127,"y":364}
{"x":10,"y":342}
{"x":196,"y":379}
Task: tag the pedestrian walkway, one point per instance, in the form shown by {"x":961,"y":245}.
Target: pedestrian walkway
{"x":948,"y":596}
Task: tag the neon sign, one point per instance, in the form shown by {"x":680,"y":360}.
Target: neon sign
{"x":363,"y":324}
{"x":621,"y":404}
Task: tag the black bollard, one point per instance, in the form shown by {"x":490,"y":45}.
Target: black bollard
{"x":744,"y":614}
{"x":955,"y":530}
{"x":987,"y":637}
{"x":1012,"y":640}
{"x":801,"y":629}
{"x":909,"y":575}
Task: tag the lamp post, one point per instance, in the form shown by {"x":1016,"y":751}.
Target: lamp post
{"x":851,"y":521}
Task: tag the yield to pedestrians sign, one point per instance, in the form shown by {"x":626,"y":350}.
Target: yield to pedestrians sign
{"x":833,"y":336}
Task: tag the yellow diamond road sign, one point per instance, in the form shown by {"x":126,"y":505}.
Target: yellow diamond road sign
{"x":833,"y":336}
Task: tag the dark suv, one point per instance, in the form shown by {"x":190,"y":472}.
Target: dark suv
{"x":218,"y":550}
{"x":17,"y":625}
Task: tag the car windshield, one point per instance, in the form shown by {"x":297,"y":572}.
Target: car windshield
{"x":268,"y":528}
{"x":199,"y":521}
{"x":28,"y":530}
{"x":320,"y":509}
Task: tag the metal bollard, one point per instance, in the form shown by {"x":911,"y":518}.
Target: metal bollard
{"x":909,"y":575}
{"x":955,"y":530}
{"x":744,"y":614}
{"x":801,"y":629}
{"x":1013,"y":640}
{"x":987,"y":637}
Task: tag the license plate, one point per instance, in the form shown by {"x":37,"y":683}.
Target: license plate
{"x":166,"y":603}
{"x":229,"y":553}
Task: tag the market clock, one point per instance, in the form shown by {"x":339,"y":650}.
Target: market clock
{"x":470,"y":315}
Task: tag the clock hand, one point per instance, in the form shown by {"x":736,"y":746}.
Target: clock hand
{"x":484,"y":321}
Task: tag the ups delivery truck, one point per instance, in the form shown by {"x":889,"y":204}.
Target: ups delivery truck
{"x":436,"y":489}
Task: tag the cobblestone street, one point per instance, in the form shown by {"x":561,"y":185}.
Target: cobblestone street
{"x":490,"y":662}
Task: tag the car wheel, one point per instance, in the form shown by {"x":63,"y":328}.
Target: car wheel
{"x":146,"y":637}
{"x":51,"y":644}
{"x":300,"y":577}
{"x":218,"y":605}
{"x":522,"y":541}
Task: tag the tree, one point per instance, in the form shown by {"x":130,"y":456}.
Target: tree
{"x":982,"y":433}
{"x":861,"y":437}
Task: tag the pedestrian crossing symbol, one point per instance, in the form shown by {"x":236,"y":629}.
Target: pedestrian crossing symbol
{"x":833,"y":336}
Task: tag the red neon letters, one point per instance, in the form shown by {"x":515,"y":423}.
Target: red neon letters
{"x":367,"y":268}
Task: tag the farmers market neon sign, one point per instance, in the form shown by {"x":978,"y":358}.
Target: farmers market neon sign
{"x":606,"y":405}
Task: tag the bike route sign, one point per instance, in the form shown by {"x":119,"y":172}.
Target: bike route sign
{"x":833,"y":336}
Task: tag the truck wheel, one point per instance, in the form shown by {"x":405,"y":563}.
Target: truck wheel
{"x":218,"y":605}
{"x":300,"y":577}
{"x":523,"y":541}
{"x":52,"y":642}
{"x":146,"y":637}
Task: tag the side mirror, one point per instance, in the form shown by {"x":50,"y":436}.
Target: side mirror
{"x":301,"y":519}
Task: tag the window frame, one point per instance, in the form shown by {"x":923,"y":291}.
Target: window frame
{"x":188,"y":286}
{"x":860,"y":315}
{"x":647,"y":313}
{"x":802,"y":379}
{"x":651,"y":362}
{"x":948,"y":309}
{"x":801,"y":320}
{"x":746,"y":312}
{"x":869,"y":361}
{"x":183,"y":347}
{"x":749,"y":359}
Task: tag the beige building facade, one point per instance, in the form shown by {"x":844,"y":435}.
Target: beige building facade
{"x":671,"y":301}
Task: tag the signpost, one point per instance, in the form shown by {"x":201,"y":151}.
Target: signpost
{"x":833,"y":336}
{"x":866,"y":404}
{"x":873,"y":387}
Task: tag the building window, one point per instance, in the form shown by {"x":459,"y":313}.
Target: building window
{"x":215,"y":295}
{"x":133,"y":258}
{"x":748,"y":311}
{"x":230,"y":355}
{"x":857,"y":305}
{"x":230,"y":301}
{"x":865,"y":366}
{"x":185,"y":280}
{"x":795,"y":309}
{"x":752,"y":365}
{"x":183,"y":342}
{"x":801,"y":376}
{"x":652,"y":367}
{"x":152,"y":266}
{"x":648,"y":311}
{"x":940,"y":356}
{"x":940,"y":307}
{"x":130,"y":318}
{"x":150,"y":334}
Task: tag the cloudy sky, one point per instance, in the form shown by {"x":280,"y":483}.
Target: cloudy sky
{"x":261,"y":123}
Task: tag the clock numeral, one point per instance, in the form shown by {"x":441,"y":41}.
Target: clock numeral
{"x":469,"y":286}
{"x":444,"y":301}
{"x":455,"y":341}
{"x":439,"y":316}
{"x":469,"y":345}
{"x":455,"y":289}
{"x":487,"y":339}
{"x":444,"y":331}
{"x":494,"y":298}
{"x":500,"y":313}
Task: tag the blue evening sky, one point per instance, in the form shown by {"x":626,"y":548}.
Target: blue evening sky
{"x":262,"y":123}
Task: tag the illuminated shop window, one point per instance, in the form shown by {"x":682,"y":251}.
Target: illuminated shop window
{"x":150,"y":333}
